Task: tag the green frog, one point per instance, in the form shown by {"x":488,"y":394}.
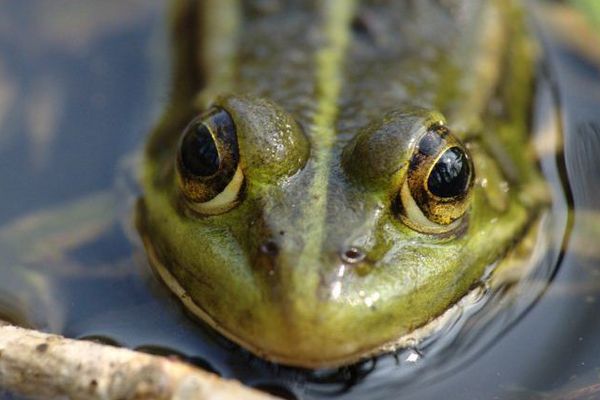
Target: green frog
{"x":332,"y":177}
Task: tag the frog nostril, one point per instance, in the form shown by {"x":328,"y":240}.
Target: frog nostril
{"x":352,"y":255}
{"x":269,"y":248}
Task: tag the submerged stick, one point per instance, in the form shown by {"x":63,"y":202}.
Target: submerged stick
{"x":49,"y":366}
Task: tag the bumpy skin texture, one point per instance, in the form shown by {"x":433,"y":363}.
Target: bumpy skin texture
{"x":329,"y":100}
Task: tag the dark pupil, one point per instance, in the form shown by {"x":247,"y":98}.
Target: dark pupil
{"x":198,"y":151}
{"x":450,"y":175}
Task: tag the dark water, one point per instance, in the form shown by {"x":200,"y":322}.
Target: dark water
{"x":82,"y":86}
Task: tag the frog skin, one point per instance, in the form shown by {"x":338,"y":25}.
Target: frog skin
{"x":331,"y":176}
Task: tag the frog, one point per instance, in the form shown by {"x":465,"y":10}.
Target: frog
{"x":331,"y":177}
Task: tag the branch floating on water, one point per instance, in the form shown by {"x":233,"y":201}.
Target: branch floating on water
{"x":49,"y":366}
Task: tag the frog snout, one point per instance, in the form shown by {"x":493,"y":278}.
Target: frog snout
{"x":272,"y":249}
{"x":348,"y":254}
{"x":352,"y":254}
{"x":269,"y":248}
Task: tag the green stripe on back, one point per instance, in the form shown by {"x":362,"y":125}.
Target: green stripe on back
{"x":329,"y":64}
{"x":220,"y":20}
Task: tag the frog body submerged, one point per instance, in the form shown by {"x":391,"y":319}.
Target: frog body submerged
{"x":331,"y":176}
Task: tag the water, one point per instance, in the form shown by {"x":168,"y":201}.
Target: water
{"x":79,"y":91}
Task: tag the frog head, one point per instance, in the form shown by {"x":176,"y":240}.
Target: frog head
{"x":316,"y":256}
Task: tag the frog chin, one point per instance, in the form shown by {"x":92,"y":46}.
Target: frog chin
{"x":313,"y":348}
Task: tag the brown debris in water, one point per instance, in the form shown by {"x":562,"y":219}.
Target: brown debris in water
{"x":48,"y":366}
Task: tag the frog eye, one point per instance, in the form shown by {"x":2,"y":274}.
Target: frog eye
{"x":437,"y":190}
{"x":208,"y":171}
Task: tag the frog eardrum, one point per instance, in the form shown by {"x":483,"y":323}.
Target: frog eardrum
{"x":438,"y":186}
{"x":208,"y":171}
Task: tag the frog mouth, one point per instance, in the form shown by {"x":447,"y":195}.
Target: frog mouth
{"x":344,"y":355}
{"x":288,"y":358}
{"x":408,"y":340}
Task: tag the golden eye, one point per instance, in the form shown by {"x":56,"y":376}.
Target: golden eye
{"x":437,"y":190}
{"x":208,"y":170}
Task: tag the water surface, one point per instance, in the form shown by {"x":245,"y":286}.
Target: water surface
{"x":79,"y":91}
